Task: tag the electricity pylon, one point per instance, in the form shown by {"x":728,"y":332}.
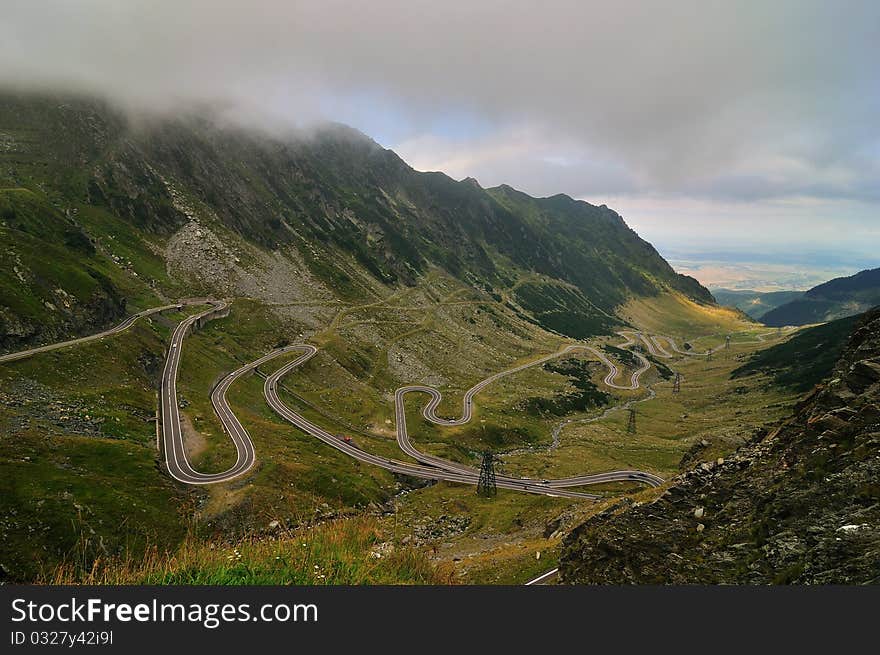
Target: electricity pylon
{"x":676,"y":383}
{"x":486,"y":484}
{"x":631,"y":424}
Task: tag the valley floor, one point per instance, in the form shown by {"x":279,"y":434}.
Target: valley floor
{"x":80,"y":459}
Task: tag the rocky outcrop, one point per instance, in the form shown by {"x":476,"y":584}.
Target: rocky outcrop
{"x":800,"y":504}
{"x":68,"y":318}
{"x":203,"y":260}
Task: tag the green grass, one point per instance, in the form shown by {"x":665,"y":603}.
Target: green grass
{"x":564,"y":310}
{"x":69,"y":497}
{"x":109,"y":470}
{"x":57,"y":274}
{"x":90,"y":214}
{"x":294,"y":472}
{"x":585,"y":395}
{"x":349,"y":551}
{"x":625,"y":357}
{"x":499,"y":545}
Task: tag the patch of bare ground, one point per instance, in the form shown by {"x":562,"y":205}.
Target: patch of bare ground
{"x":193,"y":441}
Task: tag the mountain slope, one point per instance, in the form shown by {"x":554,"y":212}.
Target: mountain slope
{"x":800,"y":505}
{"x":755,"y":303}
{"x":845,"y":296}
{"x":329,"y":206}
{"x":806,"y":359}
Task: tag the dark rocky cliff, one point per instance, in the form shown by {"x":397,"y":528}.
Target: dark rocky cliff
{"x":800,"y":504}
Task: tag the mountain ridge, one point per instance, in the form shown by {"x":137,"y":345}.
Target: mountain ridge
{"x":837,"y":298}
{"x":326,"y":200}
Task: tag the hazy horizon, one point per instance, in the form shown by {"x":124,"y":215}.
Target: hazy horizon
{"x":763,"y":270}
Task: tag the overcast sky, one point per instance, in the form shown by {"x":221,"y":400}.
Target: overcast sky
{"x":707,"y":125}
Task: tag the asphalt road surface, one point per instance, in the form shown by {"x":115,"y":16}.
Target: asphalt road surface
{"x":675,"y":347}
{"x":172,"y":434}
{"x":429,"y":466}
{"x":127,"y":323}
{"x":544,"y":578}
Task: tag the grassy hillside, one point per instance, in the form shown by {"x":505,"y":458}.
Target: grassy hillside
{"x":346,"y":551}
{"x":66,"y":272}
{"x":677,"y":315}
{"x":797,"y":504}
{"x":78,"y":454}
{"x":805,"y":360}
{"x":72,"y":433}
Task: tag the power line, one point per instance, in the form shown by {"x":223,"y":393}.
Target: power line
{"x":631,"y":424}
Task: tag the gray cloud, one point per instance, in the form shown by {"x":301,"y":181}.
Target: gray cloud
{"x":744,"y":100}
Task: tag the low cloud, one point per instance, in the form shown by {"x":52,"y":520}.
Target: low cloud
{"x":698,"y":99}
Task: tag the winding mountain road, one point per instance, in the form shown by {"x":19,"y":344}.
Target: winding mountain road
{"x":127,"y":323}
{"x":173,"y":443}
{"x":438,"y":468}
{"x":427,"y":466}
{"x":270,"y":390}
{"x":429,"y":412}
